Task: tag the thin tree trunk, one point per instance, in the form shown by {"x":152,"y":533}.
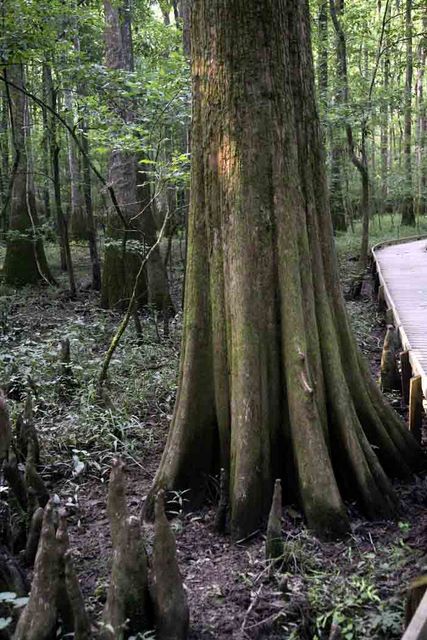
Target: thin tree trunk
{"x":423,"y":119}
{"x":408,"y":210}
{"x":90,"y":218}
{"x":361,"y":164}
{"x":4,"y":166}
{"x":77,"y":219}
{"x":54,"y":156}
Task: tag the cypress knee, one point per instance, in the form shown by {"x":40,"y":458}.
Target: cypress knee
{"x":127,"y":608}
{"x":38,"y":619}
{"x":274,"y":542}
{"x":170,"y":600}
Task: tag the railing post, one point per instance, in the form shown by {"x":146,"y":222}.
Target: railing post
{"x":405,"y":375}
{"x":416,"y":407}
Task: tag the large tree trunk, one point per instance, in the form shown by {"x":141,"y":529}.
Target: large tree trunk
{"x":408,"y":209}
{"x":25,"y":261}
{"x":121,"y":261}
{"x":271,"y":382}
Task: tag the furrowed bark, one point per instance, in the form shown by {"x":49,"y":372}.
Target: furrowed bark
{"x":272,"y":384}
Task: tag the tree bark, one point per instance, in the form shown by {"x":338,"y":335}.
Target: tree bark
{"x":271,"y":382}
{"x":25,"y":261}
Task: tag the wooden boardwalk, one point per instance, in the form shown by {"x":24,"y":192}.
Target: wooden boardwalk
{"x":402,"y":273}
{"x":401,"y":278}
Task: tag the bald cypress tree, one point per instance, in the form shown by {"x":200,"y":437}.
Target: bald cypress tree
{"x":271,"y":383}
{"x":121,"y":261}
{"x":25,"y":260}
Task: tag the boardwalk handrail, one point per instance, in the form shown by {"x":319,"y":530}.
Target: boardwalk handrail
{"x":417,"y":368}
{"x":417,"y":628}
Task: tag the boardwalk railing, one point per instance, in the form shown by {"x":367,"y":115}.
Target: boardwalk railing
{"x":413,"y":357}
{"x":414,"y":346}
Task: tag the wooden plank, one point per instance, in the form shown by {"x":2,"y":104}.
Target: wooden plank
{"x":417,"y":629}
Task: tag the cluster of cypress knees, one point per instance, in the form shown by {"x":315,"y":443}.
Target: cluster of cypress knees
{"x":145,"y":590}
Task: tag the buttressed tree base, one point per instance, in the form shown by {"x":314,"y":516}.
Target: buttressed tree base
{"x":271,"y":382}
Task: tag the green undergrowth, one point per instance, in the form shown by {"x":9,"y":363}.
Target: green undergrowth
{"x":355,"y":587}
{"x":71,"y":421}
{"x":357,"y":584}
{"x":382,"y":228}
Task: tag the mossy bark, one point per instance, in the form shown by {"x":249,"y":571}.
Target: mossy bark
{"x":271,"y":382}
{"x":25,"y":261}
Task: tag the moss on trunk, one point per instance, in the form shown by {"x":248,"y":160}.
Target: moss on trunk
{"x":271,"y":382}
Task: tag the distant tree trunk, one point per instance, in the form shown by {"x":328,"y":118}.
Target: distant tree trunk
{"x":46,"y":149}
{"x":360,"y":163}
{"x":77,"y":220}
{"x":66,"y":258}
{"x":408,"y":210}
{"x":4,"y":162}
{"x":336,"y":174}
{"x":185,"y":13}
{"x":423,"y":118}
{"x":25,"y":261}
{"x":121,"y":261}
{"x":384,"y":135}
{"x":271,"y":382}
{"x":90,"y":218}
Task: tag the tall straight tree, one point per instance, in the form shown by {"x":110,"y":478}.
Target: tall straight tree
{"x":271,"y":382}
{"x":121,"y":263}
{"x":25,"y":260}
{"x":408,"y":209}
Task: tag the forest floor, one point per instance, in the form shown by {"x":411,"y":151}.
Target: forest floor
{"x":359,"y":582}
